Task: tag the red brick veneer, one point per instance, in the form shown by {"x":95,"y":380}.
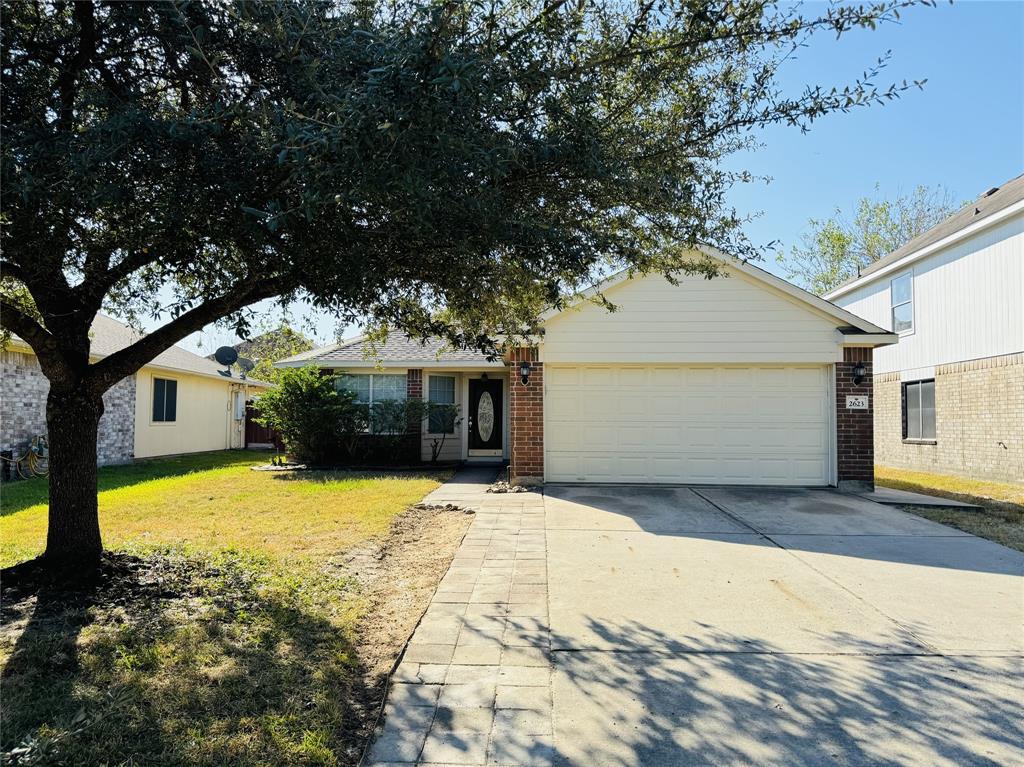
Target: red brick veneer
{"x":414,"y":390}
{"x":526,"y":409}
{"x":855,"y":448}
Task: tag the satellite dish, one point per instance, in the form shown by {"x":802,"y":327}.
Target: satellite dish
{"x":245,"y":364}
{"x":226,"y":355}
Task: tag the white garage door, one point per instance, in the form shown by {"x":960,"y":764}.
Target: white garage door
{"x":758,"y":425}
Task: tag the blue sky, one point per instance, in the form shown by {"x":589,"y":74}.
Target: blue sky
{"x":964,"y":130}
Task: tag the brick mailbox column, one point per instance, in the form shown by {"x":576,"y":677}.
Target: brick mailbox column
{"x":855,"y":431}
{"x":526,"y":410}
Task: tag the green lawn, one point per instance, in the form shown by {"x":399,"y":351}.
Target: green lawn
{"x":226,"y":631}
{"x":1001,"y":518}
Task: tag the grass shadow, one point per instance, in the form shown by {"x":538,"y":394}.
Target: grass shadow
{"x":181,"y":661}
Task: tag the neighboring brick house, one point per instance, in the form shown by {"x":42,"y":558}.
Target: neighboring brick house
{"x":178,"y":403}
{"x":742,"y":379}
{"x":949,"y":398}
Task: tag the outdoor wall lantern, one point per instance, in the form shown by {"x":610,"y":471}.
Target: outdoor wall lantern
{"x":859,"y":371}
{"x":524,"y":372}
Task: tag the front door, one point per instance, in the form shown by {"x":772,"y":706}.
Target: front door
{"x":486,"y":416}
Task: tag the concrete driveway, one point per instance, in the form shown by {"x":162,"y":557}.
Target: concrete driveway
{"x":711,"y":626}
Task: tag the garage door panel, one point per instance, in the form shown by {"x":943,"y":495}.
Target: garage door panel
{"x":743,"y":425}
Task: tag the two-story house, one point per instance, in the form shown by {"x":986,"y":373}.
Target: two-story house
{"x":949,"y":397}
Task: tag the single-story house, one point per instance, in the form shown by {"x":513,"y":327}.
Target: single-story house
{"x":178,"y":403}
{"x":741,"y":379}
{"x":950,"y":396}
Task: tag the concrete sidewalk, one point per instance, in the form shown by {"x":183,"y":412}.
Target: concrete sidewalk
{"x":474,"y":684}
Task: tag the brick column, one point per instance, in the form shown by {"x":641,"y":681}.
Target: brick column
{"x":855,"y":432}
{"x":526,"y":410}
{"x":414,"y":390}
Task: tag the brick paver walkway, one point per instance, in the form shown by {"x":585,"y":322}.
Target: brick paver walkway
{"x":474,"y":685}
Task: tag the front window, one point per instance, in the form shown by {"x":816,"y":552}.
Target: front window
{"x":902,"y":292}
{"x":165,"y":400}
{"x":442,"y":392}
{"x":919,"y":410}
{"x":371,"y":389}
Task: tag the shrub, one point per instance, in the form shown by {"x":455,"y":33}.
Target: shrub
{"x":316,"y":422}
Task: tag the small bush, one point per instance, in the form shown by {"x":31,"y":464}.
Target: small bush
{"x":317,"y":423}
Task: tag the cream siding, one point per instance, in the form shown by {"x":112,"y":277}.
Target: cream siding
{"x":205,"y":416}
{"x":733,"y":319}
{"x":968,"y":303}
{"x":452,"y":448}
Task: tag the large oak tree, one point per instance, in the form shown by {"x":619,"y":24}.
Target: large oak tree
{"x":441,"y":167}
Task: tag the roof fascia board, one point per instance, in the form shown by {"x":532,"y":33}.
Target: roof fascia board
{"x":951,"y":239}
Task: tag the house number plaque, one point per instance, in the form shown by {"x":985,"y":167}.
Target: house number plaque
{"x":857,"y":402}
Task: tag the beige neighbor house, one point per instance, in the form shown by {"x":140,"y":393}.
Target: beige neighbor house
{"x":743,"y":379}
{"x":178,"y":403}
{"x":949,"y":398}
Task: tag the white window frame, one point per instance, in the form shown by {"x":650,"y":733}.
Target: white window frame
{"x":455,"y":400}
{"x":371,"y":376}
{"x":893,"y":305}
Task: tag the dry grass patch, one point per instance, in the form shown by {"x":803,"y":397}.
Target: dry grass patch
{"x":1000,"y":519}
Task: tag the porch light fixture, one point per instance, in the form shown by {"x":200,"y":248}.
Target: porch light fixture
{"x":859,"y":371}
{"x":483,"y":376}
{"x":524,"y":372}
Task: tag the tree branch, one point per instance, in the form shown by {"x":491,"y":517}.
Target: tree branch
{"x":124,"y":362}
{"x":25,"y":327}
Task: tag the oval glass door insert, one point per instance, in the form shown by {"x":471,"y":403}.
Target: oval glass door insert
{"x":485,"y":416}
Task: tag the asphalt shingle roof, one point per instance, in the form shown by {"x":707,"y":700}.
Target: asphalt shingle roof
{"x":107,"y":336}
{"x":397,"y":347}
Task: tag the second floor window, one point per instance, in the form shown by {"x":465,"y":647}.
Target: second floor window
{"x":902,"y":291}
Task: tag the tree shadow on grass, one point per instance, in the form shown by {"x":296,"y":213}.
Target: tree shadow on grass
{"x":732,"y":700}
{"x":20,"y":495}
{"x":176,"y":661}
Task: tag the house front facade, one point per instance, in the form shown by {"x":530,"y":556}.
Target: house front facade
{"x":741,"y":379}
{"x":949,"y":397}
{"x":178,"y":403}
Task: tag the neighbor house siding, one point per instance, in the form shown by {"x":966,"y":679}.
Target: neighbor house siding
{"x":967,"y":303}
{"x":968,"y":336}
{"x":205,"y":419}
{"x":23,"y":409}
{"x":723,"y":320}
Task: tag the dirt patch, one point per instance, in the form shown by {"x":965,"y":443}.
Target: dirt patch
{"x":399,"y":575}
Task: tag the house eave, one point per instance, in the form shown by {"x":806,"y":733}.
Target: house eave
{"x":867,"y":339}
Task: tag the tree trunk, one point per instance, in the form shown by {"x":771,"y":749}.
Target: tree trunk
{"x":72,"y":421}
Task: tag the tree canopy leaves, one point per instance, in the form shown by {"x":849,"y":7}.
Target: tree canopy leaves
{"x":382,"y":160}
